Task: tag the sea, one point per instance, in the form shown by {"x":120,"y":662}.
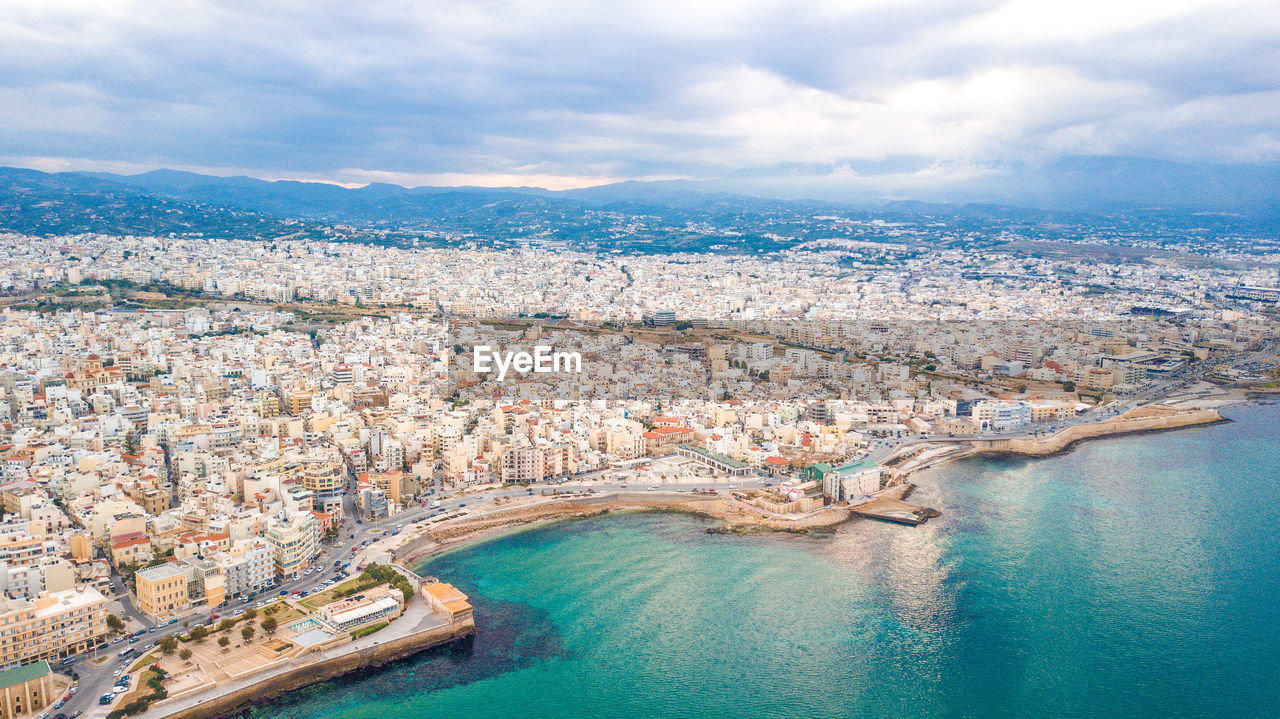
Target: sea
{"x":1130,"y":577}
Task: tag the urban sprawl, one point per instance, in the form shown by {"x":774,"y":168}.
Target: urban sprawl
{"x":227,"y":434}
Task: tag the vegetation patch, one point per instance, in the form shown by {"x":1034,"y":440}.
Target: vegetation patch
{"x":366,"y":631}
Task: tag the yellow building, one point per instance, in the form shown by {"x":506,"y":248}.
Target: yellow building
{"x":447,"y":601}
{"x":132,"y":551}
{"x":1049,"y":410}
{"x":1099,"y":378}
{"x":81,"y":547}
{"x":162,"y":590}
{"x":51,"y":626}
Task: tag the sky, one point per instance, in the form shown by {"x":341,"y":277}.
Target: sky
{"x":574,"y":93}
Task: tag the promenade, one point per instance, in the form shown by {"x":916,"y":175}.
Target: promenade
{"x":417,"y":629}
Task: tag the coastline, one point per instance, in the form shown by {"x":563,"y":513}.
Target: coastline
{"x":735,"y":518}
{"x":374,"y":651}
{"x":732,"y":518}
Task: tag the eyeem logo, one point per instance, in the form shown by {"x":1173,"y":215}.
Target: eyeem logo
{"x":543,"y":360}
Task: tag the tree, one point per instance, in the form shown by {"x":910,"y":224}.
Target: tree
{"x":114,"y":623}
{"x":223,"y":641}
{"x":250,"y":613}
{"x":226,"y":624}
{"x":269,"y":625}
{"x":185,"y":654}
{"x":168,"y":644}
{"x":198,"y":633}
{"x":1068,"y":386}
{"x":247,"y":632}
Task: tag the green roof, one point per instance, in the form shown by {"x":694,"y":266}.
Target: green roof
{"x":25,"y":673}
{"x":860,"y":466}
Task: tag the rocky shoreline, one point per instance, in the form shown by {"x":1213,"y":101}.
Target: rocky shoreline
{"x":736,"y":518}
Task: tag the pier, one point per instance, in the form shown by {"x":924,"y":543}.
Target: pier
{"x":890,"y":505}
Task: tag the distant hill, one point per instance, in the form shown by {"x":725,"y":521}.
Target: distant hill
{"x":676,"y":215}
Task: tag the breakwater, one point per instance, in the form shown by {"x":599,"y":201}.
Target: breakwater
{"x":1146,"y":419}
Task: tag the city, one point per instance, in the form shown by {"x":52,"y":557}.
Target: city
{"x":624,"y":360}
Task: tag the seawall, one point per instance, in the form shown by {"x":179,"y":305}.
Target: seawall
{"x":229,"y":702}
{"x":1064,"y":439}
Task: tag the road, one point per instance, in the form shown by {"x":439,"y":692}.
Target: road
{"x":356,"y":532}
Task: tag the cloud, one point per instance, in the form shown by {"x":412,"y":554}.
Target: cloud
{"x":569,"y":93}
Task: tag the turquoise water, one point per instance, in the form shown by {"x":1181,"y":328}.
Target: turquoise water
{"x":1132,"y":577}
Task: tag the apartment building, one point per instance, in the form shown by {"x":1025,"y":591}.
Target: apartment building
{"x":52,"y":626}
{"x":248,"y":568}
{"x":294,"y":541}
{"x":1001,"y":416}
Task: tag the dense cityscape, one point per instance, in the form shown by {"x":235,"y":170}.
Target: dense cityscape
{"x":193,"y":427}
{"x":560,"y":360}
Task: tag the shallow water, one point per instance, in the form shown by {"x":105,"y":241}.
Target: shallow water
{"x":1132,"y":577}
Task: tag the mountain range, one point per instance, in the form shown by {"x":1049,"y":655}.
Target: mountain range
{"x":1233,"y":198}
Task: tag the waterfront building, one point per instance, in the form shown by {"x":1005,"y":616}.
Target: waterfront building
{"x":447,"y":601}
{"x":26,"y":689}
{"x":378,"y":604}
{"x":52,"y":626}
{"x":294,"y":542}
{"x":846,"y":482}
{"x":247,"y":568}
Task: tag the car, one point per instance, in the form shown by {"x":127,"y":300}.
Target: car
{"x":106,"y":699}
{"x":259,"y":605}
{"x":733,"y":486}
{"x":118,"y":672}
{"x":653,"y":488}
{"x":463,"y":504}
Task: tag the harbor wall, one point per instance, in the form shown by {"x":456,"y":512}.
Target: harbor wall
{"x":312,"y":672}
{"x":1062,"y":440}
